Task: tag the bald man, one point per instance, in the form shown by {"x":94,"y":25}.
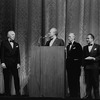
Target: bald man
{"x":73,"y":64}
{"x":53,"y":38}
{"x":10,"y":63}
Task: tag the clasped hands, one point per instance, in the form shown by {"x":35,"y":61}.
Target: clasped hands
{"x":4,"y":65}
{"x":89,"y":58}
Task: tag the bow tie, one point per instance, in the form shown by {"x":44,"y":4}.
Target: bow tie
{"x":11,"y":40}
{"x":90,"y":44}
{"x":70,"y":43}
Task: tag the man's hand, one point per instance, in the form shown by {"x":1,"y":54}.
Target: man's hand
{"x":3,"y":65}
{"x":89,"y":58}
{"x":75,"y":59}
{"x":18,"y":66}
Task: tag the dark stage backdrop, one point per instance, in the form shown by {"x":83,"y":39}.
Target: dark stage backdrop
{"x":32,"y":19}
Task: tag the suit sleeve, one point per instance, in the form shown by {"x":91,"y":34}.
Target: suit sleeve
{"x":2,"y":52}
{"x":83,"y":57}
{"x":97,"y":58}
{"x":47,"y":43}
{"x":80,"y":54}
{"x":18,"y":55}
{"x":62,"y":43}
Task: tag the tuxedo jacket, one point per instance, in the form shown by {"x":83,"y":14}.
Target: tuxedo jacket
{"x":10,"y":56}
{"x":95,"y":52}
{"x":74,"y":56}
{"x":57,"y":42}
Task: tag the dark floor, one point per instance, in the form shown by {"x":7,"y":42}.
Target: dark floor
{"x":25,"y":97}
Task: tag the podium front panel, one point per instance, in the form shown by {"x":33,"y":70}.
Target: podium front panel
{"x":52,"y":71}
{"x":34,"y":83}
{"x":47,"y":72}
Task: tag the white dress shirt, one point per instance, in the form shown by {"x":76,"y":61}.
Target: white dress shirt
{"x":90,"y":47}
{"x":71,"y":45}
{"x":11,"y":43}
{"x":52,"y":41}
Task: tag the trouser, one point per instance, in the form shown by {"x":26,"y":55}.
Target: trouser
{"x":73,"y":82}
{"x":92,"y":81}
{"x":8,"y":73}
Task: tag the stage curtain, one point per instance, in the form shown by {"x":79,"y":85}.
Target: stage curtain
{"x":34,"y":18}
{"x":30,"y":15}
{"x":83,"y":17}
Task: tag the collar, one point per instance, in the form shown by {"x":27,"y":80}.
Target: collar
{"x":54,"y":38}
{"x":91,"y":44}
{"x":71,"y":43}
{"x":10,"y":40}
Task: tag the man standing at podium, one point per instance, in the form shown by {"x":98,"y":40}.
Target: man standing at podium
{"x":53,"y":38}
{"x":73,"y":64}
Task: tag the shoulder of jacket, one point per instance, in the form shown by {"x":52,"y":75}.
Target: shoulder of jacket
{"x":85,"y":46}
{"x":96,"y":44}
{"x":16,"y":43}
{"x":4,"y":41}
{"x":77,"y":44}
{"x":60,"y":39}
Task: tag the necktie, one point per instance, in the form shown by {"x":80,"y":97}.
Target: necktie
{"x":70,"y":45}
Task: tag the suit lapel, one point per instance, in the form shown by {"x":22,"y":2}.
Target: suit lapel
{"x":68,"y":47}
{"x":9,"y":45}
{"x":87,"y":50}
{"x":73,"y":45}
{"x":12,"y":50}
{"x":48,"y":43}
{"x":55,"y":42}
{"x":14,"y":47}
{"x":92,"y":50}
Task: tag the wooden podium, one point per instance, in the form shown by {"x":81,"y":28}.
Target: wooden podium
{"x":47,"y":72}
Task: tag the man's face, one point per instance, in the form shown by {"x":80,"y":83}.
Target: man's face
{"x":11,"y":35}
{"x":52,"y":33}
{"x":71,"y":37}
{"x":89,"y":39}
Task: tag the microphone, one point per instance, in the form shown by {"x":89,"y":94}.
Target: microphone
{"x":46,"y":36}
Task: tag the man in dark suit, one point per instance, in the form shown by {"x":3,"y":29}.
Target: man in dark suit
{"x":53,"y":39}
{"x":73,"y":65}
{"x":91,"y":59}
{"x":10,"y":61}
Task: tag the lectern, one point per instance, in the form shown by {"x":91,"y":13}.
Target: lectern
{"x":47,"y":72}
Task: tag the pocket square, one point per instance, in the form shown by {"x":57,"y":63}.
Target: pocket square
{"x":74,"y":48}
{"x":17,"y":46}
{"x":95,"y":48}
